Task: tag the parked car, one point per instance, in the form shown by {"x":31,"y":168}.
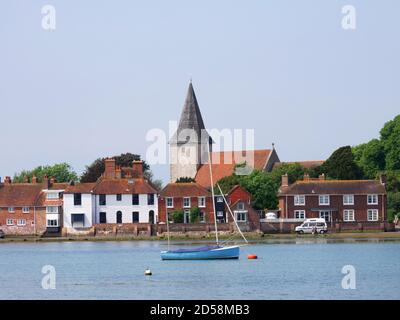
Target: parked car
{"x":2,"y":234}
{"x":313,"y":225}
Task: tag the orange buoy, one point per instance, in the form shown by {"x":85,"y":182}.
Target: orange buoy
{"x":252,"y":257}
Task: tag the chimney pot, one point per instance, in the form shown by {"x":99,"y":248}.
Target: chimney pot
{"x":322,"y":177}
{"x":383,"y":179}
{"x":34,"y":179}
{"x":306,"y":177}
{"x":7,"y":180}
{"x":137,"y":166}
{"x":285,"y":180}
{"x":109,"y":168}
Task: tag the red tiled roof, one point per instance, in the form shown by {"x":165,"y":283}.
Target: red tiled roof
{"x":113,"y":186}
{"x":86,"y":187}
{"x":187,"y":189}
{"x":20,"y":194}
{"x":223,"y":165}
{"x":334,"y":187}
{"x":123,"y":186}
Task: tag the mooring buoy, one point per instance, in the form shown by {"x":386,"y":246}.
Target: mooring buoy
{"x":252,"y":257}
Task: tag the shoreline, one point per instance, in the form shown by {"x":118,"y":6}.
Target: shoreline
{"x":251,"y":237}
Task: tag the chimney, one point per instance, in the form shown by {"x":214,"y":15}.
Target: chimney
{"x":53,"y":180}
{"x":46,"y":181}
{"x":7,"y":180}
{"x":306,"y":177}
{"x":322,"y":177}
{"x":137,"y":166}
{"x":34,"y":179}
{"x":109,"y":171}
{"x":285,"y":180}
{"x":383,"y":179}
{"x":26,"y":179}
{"x":118,"y":172}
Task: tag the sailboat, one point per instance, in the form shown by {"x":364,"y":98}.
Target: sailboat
{"x":214,"y":252}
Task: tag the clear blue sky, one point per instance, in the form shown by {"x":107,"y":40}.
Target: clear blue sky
{"x":112,"y":70}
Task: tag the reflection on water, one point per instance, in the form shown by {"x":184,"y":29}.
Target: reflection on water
{"x":298,"y":268}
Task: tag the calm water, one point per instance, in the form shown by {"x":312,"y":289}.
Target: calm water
{"x":115,"y":270}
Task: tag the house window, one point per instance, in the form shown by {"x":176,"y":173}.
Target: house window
{"x":102,"y":200}
{"x":52,"y":195}
{"x":135,"y":217}
{"x":135,"y":199}
{"x":10,"y":222}
{"x":348,"y":215}
{"x":348,"y":199}
{"x":119,"y":217}
{"x":202,"y":202}
{"x":299,"y":200}
{"x":78,"y":220}
{"x":151,"y":216}
{"x":170,"y":202}
{"x":119,"y":197}
{"x":220,"y":214}
{"x":21,"y":222}
{"x":240,"y":206}
{"x":202,"y":217}
{"x":324,"y":200}
{"x":300,"y":214}
{"x":103,"y":217}
{"x":25,"y":209}
{"x":373,"y":215}
{"x":150,"y":199}
{"x":241,"y":216}
{"x":52,"y":223}
{"x":11,"y":209}
{"x":220,"y":199}
{"x":372,"y":199}
{"x":52,"y":209}
{"x":186,"y":202}
{"x":77,"y":199}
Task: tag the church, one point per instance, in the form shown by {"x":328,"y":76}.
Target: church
{"x":191,"y":150}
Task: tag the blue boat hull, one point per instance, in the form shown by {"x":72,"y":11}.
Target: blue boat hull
{"x":212,"y":254}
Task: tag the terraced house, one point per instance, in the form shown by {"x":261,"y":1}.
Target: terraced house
{"x":119,"y":196}
{"x":31,"y":207}
{"x":347,"y":202}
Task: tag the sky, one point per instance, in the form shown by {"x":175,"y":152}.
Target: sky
{"x":113,"y":70}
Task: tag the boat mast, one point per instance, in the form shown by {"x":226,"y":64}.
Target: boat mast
{"x":212,"y":193}
{"x":168,"y":227}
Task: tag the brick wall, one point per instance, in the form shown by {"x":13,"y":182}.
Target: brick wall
{"x":29,"y":227}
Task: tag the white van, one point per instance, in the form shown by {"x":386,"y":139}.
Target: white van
{"x":310,"y":225}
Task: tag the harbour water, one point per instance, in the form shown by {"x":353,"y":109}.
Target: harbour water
{"x":300,"y":269}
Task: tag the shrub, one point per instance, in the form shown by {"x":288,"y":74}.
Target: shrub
{"x":194,"y":215}
{"x":177,"y":216}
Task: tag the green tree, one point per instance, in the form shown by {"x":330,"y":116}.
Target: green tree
{"x":194,"y":215}
{"x":177,"y":216}
{"x":390,"y":138}
{"x":263,"y":189}
{"x":295,"y":172}
{"x":96,"y":168}
{"x":342,"y":166}
{"x":370,"y":157}
{"x":227,"y":183}
{"x":62,"y":172}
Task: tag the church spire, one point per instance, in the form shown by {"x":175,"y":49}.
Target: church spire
{"x":190,"y":119}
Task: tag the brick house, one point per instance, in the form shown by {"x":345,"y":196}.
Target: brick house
{"x":334,"y":200}
{"x":185,"y":196}
{"x":120,"y":196}
{"x":239,"y":201}
{"x":31,"y":207}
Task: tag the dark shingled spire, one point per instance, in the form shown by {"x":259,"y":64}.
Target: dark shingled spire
{"x":191,"y":119}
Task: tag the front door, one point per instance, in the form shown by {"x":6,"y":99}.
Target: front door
{"x":119,"y":217}
{"x":325,"y":215}
{"x":151,"y":217}
{"x":103,"y":217}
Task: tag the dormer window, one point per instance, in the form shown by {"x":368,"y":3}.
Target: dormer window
{"x":52,"y":195}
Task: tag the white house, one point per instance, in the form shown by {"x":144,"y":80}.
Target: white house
{"x":120,"y":196}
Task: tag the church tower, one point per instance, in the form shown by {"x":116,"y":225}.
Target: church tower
{"x":189,"y":144}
